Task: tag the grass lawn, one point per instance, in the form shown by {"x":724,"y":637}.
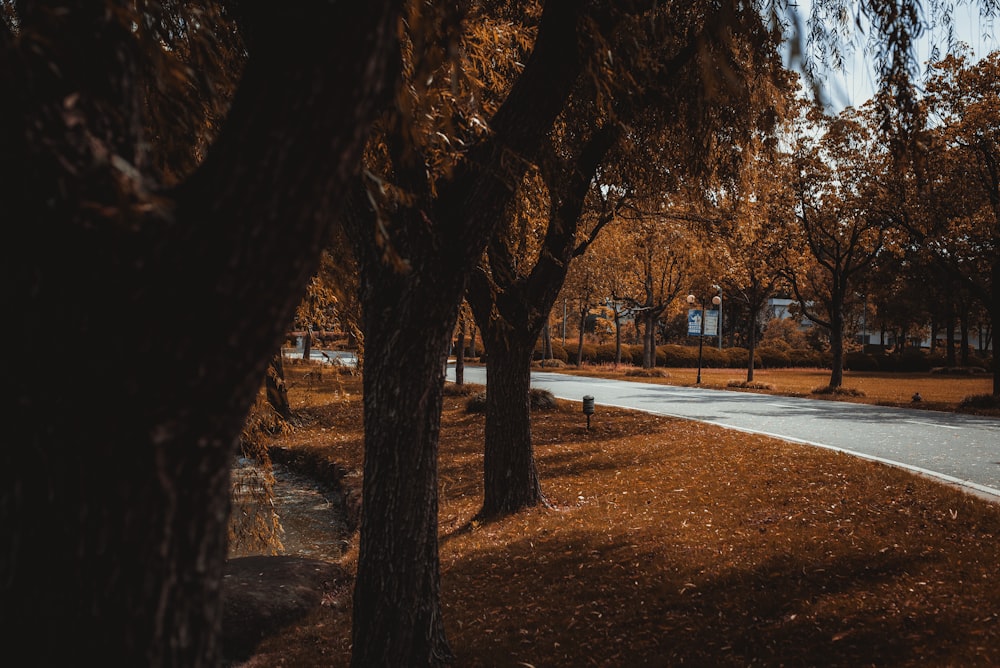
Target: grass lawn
{"x":938,"y":392}
{"x":671,"y":542}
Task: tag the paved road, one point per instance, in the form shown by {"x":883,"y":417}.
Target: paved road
{"x":959,"y":449}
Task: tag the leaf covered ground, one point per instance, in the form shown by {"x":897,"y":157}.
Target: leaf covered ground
{"x":671,"y":542}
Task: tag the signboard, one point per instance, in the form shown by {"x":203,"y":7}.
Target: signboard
{"x":711,"y":322}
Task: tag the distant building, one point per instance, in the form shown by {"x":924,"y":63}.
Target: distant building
{"x":781,"y":308}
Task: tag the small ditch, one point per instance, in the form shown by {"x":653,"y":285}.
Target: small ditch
{"x":312,"y":517}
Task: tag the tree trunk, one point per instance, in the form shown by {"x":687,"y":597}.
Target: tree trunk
{"x":963,"y":325}
{"x":277,"y":391}
{"x":648,"y":340}
{"x":583,"y":326}
{"x":546,"y":343}
{"x":837,"y":347}
{"x":618,"y":338}
{"x":510,"y":479}
{"x":751,"y":348}
{"x":460,"y":355}
{"x":307,"y":341}
{"x":408,"y":321}
{"x":115,"y":494}
{"x":950,"y":343}
{"x":994,"y":312}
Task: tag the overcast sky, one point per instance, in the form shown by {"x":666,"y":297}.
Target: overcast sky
{"x":856,"y":84}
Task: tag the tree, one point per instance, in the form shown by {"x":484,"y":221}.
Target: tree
{"x":416,"y":240}
{"x":754,"y":241}
{"x":663,"y":270}
{"x":841,"y":230}
{"x":953,"y":199}
{"x":171,"y":248}
{"x":512,"y":303}
{"x":141,"y":242}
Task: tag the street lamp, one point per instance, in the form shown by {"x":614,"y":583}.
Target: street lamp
{"x":691,"y":299}
{"x":719,"y":327}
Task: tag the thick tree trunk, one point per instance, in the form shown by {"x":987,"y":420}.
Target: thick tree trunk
{"x":115,"y":493}
{"x":837,"y":347}
{"x":397,"y":613}
{"x":510,"y":478}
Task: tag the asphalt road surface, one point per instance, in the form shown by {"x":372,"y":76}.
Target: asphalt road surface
{"x":959,"y":449}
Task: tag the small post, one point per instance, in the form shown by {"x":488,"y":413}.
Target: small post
{"x":588,"y":408}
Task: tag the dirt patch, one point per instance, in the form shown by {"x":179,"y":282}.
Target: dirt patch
{"x":262,"y":595}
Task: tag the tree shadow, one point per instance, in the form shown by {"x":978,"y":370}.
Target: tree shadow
{"x":587,"y":598}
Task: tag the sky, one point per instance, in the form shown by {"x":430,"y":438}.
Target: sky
{"x":857,"y":82}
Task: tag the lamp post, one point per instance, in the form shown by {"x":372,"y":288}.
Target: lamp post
{"x":691,"y":299}
{"x":719,"y":326}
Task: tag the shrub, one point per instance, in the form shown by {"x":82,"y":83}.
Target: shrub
{"x":542,"y":400}
{"x":981,"y":401}
{"x":807,"y":358}
{"x":476,"y":403}
{"x":558,"y":352}
{"x":589,"y":354}
{"x":913,"y":360}
{"x":750,"y":385}
{"x":976,"y":360}
{"x":738,"y":358}
{"x":771,"y":358}
{"x":859,"y":361}
{"x":463,"y":390}
{"x":604,"y":354}
{"x":634,"y":355}
{"x":712,"y":357}
{"x":552,"y":364}
{"x":958,"y":370}
{"x":839,"y":391}
{"x":648,"y":373}
{"x":677,"y":356}
{"x":937,"y":360}
{"x":539,"y":399}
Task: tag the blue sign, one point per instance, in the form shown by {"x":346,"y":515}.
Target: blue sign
{"x":694,"y":322}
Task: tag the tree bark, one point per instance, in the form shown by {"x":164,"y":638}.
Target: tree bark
{"x":950,"y":333}
{"x":648,"y":339}
{"x":509,"y":473}
{"x":837,"y":346}
{"x":277,"y":391}
{"x":460,"y":354}
{"x":618,"y":337}
{"x":397,"y":614}
{"x":994,"y":312}
{"x":412,"y":282}
{"x":307,"y":343}
{"x":963,"y":329}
